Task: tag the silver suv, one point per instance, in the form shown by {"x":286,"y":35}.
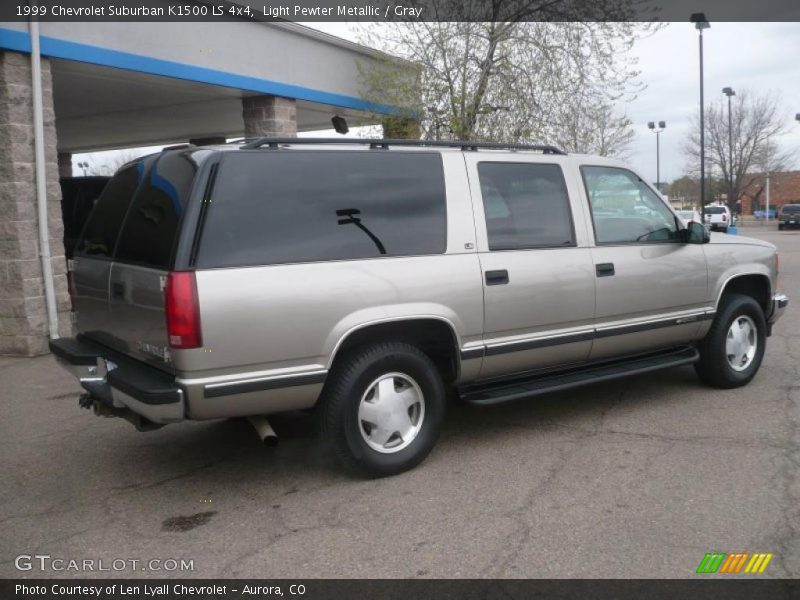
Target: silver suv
{"x":367,"y":279}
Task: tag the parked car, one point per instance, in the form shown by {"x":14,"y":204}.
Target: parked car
{"x":789,"y":216}
{"x":365,"y":279}
{"x":718,"y":217}
{"x":763,"y":214}
{"x":687,"y":216}
{"x":78,"y":195}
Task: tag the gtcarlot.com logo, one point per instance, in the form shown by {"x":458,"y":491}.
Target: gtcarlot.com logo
{"x":732,"y":564}
{"x":46,"y":562}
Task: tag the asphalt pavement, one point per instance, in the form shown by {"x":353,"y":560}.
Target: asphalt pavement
{"x":634,"y":478}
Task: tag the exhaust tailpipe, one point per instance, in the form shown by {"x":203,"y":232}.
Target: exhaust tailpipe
{"x":264,"y":430}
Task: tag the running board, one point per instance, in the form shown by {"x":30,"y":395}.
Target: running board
{"x":506,"y":390}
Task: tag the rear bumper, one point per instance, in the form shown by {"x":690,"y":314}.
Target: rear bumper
{"x":120,"y":382}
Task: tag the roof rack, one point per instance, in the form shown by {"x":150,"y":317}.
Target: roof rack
{"x":379,"y":144}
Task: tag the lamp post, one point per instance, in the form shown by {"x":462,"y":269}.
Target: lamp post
{"x":730,"y":93}
{"x":83,"y":165}
{"x":700,"y":23}
{"x":657,"y":130}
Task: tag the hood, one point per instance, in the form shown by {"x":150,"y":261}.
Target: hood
{"x":727,"y":238}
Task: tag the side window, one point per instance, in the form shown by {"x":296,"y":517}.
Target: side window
{"x":526,"y":205}
{"x":625,"y":209}
{"x":102,"y":227}
{"x":151,"y":227}
{"x":304,"y":206}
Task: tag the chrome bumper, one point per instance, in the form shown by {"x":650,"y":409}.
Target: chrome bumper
{"x":779,"y":304}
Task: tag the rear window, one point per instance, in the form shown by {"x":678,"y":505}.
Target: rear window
{"x":304,"y":206}
{"x":103,"y":225}
{"x":715,"y":210}
{"x":526,"y":205}
{"x":791,"y":208}
{"x":151,"y":228}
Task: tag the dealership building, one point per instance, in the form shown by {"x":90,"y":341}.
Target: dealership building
{"x":80,"y":87}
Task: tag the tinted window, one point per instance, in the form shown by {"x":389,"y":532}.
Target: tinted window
{"x":791,"y":208}
{"x":526,"y":205}
{"x":103,"y":224}
{"x":151,"y":226}
{"x":715,"y":210}
{"x":299,"y":206}
{"x":625,"y":209}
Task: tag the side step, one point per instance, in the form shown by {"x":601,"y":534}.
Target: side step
{"x":506,"y":390}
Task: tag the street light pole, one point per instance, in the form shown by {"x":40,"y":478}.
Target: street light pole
{"x":730,"y":93}
{"x":661,"y":126}
{"x":700,"y":23}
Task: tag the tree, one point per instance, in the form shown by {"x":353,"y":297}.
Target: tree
{"x":756,"y":119}
{"x":512,"y":80}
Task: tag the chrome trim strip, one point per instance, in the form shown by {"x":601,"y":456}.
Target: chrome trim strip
{"x":649,"y":325}
{"x":215,"y":390}
{"x":600,"y":331}
{"x":473,"y":352}
{"x":540,"y":342}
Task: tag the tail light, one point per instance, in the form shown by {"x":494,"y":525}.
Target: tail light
{"x":182,"y":308}
{"x":724,"y":218}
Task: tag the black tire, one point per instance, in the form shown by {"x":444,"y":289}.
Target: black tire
{"x":350,"y":380}
{"x":724,"y":230}
{"x":780,"y":227}
{"x":713,"y":367}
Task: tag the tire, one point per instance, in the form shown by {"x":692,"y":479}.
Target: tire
{"x":352,"y":396}
{"x":715,"y":368}
{"x":780,"y":227}
{"x":724,"y":230}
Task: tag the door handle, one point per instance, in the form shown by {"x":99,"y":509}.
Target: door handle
{"x":499,"y":277}
{"x":118,"y":290}
{"x":604,"y":269}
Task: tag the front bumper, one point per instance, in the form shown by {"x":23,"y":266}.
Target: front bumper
{"x":119,"y":383}
{"x":779,"y":304}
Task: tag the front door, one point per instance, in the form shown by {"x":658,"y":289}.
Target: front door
{"x":651,"y":288}
{"x":537,"y":269}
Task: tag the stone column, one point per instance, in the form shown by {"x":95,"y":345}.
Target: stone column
{"x":23,"y":317}
{"x":271,"y":116}
{"x":401,"y":128}
{"x":65,"y":164}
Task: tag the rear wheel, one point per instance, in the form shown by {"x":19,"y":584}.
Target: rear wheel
{"x":780,"y":227}
{"x":731,"y":353}
{"x":382,"y":408}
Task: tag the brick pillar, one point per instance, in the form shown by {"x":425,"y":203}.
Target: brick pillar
{"x":23,"y":317}
{"x":269,"y":116}
{"x":65,"y":164}
{"x":401,"y":128}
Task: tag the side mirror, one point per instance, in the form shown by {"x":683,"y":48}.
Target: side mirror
{"x":696,"y":233}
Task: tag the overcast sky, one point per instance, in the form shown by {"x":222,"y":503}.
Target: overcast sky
{"x":759,"y":56}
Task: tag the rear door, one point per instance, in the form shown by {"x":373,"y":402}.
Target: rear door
{"x":91,"y":263}
{"x":145,"y":254}
{"x":537,"y":269}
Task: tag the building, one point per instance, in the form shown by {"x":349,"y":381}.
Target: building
{"x":784,"y":188}
{"x":78,"y":87}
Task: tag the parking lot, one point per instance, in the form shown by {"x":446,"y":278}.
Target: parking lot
{"x":634,"y":478}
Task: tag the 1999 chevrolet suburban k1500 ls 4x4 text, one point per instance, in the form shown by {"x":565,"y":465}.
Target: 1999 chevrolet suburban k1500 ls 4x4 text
{"x":365,"y":278}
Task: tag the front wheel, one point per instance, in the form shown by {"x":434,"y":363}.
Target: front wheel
{"x":382,"y":408}
{"x":732,"y":351}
